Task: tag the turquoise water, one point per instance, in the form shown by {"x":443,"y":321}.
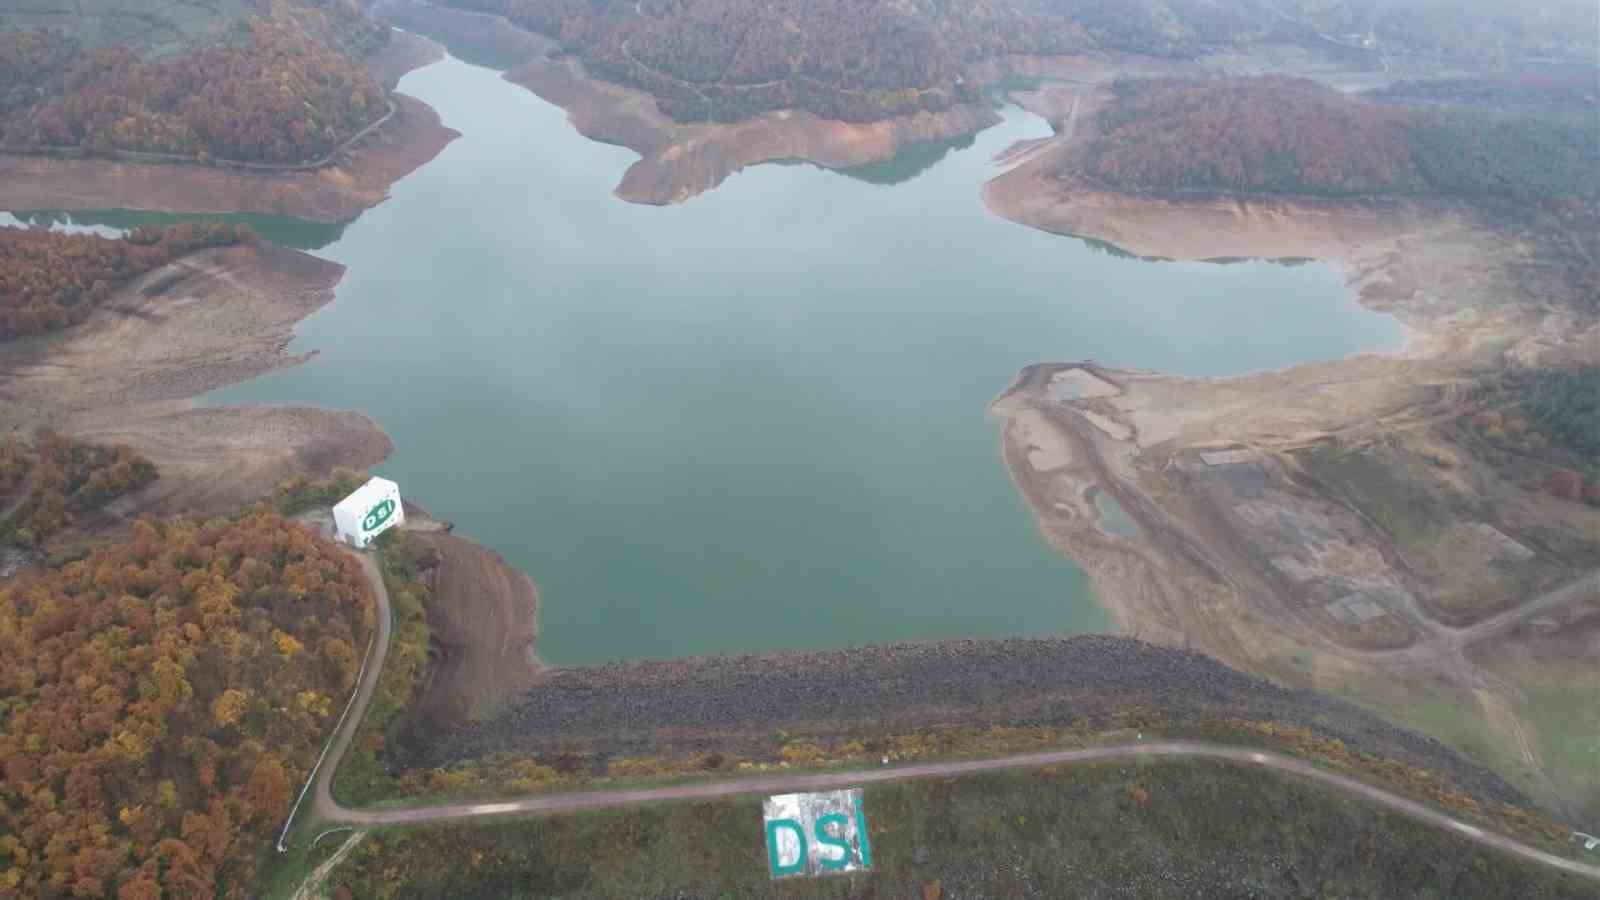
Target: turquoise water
{"x":756,"y":420}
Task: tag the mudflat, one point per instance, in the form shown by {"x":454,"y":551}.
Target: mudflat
{"x":131,"y":371}
{"x":1257,"y":539}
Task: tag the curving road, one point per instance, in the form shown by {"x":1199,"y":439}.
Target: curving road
{"x":325,"y":808}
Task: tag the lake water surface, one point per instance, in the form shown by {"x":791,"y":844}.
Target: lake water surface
{"x":756,"y":420}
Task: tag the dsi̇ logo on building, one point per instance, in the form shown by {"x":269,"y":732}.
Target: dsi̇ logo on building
{"x":816,"y":834}
{"x":377,"y":515}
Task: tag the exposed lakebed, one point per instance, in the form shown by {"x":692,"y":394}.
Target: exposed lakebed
{"x":754,"y":421}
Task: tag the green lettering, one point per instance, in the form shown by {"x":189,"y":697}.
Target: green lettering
{"x":833,"y":840}
{"x":779,"y":869}
{"x":861,"y":835}
{"x":377,"y":515}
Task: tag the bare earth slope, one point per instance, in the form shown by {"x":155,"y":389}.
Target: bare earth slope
{"x":129,"y":373}
{"x":484,"y":616}
{"x":1280,"y":555}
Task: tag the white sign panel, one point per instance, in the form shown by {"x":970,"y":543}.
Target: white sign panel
{"x":373,"y":509}
{"x":816,"y":834}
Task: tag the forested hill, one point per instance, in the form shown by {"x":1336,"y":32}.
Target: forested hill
{"x":161,"y":701}
{"x":280,"y":81}
{"x":1287,"y":135}
{"x":860,"y":60}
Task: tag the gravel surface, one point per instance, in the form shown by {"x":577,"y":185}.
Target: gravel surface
{"x":718,"y":702}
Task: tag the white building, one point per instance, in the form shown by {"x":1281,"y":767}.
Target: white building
{"x":373,"y":509}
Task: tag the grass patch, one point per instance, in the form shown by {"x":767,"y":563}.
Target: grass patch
{"x":1410,"y":509}
{"x":283,"y":873}
{"x":1147,"y":829}
{"x":361,"y":777}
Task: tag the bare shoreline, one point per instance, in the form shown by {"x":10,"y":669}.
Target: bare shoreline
{"x":334,"y":193}
{"x":680,"y":161}
{"x":1209,"y":468}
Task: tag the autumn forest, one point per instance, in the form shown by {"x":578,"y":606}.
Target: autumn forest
{"x":163,"y":699}
{"x":286,"y":86}
{"x":48,"y":483}
{"x":1277,"y":134}
{"x":51,"y":279}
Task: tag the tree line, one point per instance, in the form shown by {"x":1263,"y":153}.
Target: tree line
{"x":1288,"y":135}
{"x":162,"y":700}
{"x":286,"y":86}
{"x":46,"y":483}
{"x":859,"y":61}
{"x":842,"y":59}
{"x":49,"y":279}
{"x":1270,"y":134}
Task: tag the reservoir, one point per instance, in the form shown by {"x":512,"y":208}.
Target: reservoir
{"x":754,"y":421}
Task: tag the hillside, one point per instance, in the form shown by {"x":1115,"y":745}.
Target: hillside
{"x":51,"y":279}
{"x":1262,"y":134}
{"x":278,"y":83}
{"x":1293,"y":136}
{"x":163,"y":698}
{"x":726,"y":60}
{"x":1181,"y":829}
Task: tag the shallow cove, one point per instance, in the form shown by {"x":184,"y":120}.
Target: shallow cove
{"x":755,"y":421}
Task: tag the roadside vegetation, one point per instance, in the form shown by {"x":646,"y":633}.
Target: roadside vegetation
{"x":1165,"y":829}
{"x":47,"y":483}
{"x":640,"y":724}
{"x":49,"y":280}
{"x":163,"y":698}
{"x":509,"y":774}
{"x":301,"y":494}
{"x":284,"y":85}
{"x":363,"y":776}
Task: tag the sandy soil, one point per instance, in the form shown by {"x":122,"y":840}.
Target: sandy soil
{"x":334,"y":193}
{"x":681,"y":161}
{"x":1254,"y":558}
{"x":484,"y":615}
{"x":129,"y":373}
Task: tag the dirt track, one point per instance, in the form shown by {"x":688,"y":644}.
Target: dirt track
{"x":328,"y":810}
{"x":1213,"y":564}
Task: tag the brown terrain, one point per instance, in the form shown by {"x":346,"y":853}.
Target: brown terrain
{"x":484,"y":615}
{"x":133,"y":371}
{"x":1471,"y":620}
{"x":335,"y":193}
{"x":680,"y":161}
{"x":130,"y":372}
{"x":1331,"y":525}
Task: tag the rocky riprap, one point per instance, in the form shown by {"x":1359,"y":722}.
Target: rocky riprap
{"x":731,"y":704}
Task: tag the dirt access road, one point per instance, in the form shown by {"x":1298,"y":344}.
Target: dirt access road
{"x":330,"y":812}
